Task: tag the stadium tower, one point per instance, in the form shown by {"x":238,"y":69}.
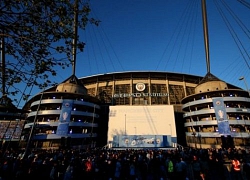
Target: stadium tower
{"x":216,"y":115}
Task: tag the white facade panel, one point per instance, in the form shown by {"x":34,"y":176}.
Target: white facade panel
{"x":141,"y":120}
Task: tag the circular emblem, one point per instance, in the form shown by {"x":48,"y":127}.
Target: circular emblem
{"x":217,"y":102}
{"x":140,"y":86}
{"x":126,"y":141}
{"x":133,"y":143}
{"x":67,"y":105}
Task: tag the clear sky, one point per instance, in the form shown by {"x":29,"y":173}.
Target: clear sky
{"x":165,"y":35}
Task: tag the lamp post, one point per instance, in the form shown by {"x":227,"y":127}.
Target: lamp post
{"x":125,"y":125}
{"x":31,"y":133}
{"x":245,"y":82}
{"x":170,"y":126}
{"x":92,"y":127}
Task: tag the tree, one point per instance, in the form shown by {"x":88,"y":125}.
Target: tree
{"x":32,"y":32}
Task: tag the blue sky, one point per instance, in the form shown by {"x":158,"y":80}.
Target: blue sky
{"x":164,"y":35}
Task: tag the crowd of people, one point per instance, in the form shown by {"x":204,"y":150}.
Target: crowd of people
{"x":125,"y":164}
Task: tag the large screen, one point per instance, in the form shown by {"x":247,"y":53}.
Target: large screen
{"x":11,"y":129}
{"x":141,"y":120}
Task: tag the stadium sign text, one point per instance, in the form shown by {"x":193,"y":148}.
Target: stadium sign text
{"x":139,"y":95}
{"x":139,"y":87}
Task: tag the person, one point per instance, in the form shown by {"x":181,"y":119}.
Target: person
{"x":181,"y":169}
{"x":88,"y":168}
{"x":170,"y":168}
{"x":118,"y":167}
{"x":54,"y":171}
{"x":236,"y":169}
{"x":132,"y":170}
{"x":69,"y":172}
{"x":196,"y":166}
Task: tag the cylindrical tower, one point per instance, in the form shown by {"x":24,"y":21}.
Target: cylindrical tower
{"x":62,"y":116}
{"x":216,"y":116}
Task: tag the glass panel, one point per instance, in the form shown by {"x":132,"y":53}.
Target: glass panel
{"x":159,"y":88}
{"x":190,"y":90}
{"x":122,"y":89}
{"x":91,"y":92}
{"x":176,"y":94}
{"x":105,"y":94}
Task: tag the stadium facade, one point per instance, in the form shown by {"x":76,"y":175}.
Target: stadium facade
{"x":195,"y":120}
{"x":190,"y":97}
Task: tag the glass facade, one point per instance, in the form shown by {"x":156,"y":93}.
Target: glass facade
{"x":157,"y":94}
{"x":160,"y":88}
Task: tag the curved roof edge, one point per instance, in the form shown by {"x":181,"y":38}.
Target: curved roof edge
{"x":199,"y":78}
{"x":146,"y":71}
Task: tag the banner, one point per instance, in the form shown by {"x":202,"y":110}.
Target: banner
{"x":64,"y":119}
{"x":221,"y":116}
{"x":136,"y":141}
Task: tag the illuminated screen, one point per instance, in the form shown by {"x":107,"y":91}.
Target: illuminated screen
{"x":11,"y":129}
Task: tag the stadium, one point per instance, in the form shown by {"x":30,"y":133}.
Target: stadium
{"x":191,"y":97}
{"x":140,"y":109}
{"x":133,"y":109}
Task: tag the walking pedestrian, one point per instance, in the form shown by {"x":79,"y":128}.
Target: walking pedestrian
{"x":236,"y":169}
{"x":181,"y":169}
